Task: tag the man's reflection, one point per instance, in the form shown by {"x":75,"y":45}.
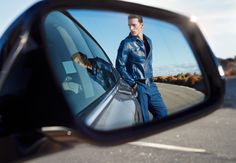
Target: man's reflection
{"x":98,"y":69}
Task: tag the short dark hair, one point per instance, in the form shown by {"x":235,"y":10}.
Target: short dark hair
{"x":140,"y":18}
{"x":80,"y":56}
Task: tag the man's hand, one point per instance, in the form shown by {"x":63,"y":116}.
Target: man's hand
{"x":133,"y":87}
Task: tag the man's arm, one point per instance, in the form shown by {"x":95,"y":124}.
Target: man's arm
{"x":121,"y":62}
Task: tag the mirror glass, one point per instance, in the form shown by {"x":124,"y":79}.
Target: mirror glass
{"x":118,"y":70}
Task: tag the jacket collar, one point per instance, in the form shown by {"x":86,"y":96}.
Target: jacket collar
{"x":137,"y":38}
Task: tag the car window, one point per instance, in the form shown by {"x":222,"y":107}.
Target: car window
{"x":95,"y":49}
{"x":80,"y":65}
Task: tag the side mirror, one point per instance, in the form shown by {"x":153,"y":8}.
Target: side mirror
{"x":72,"y":72}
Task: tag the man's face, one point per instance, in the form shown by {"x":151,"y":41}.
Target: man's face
{"x":135,"y":26}
{"x":81,"y":62}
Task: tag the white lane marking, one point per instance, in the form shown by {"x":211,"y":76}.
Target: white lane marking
{"x":168,"y":147}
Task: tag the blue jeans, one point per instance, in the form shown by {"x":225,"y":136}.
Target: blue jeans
{"x":150,"y":99}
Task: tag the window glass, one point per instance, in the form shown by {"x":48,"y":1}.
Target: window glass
{"x":95,"y":49}
{"x":80,"y":66}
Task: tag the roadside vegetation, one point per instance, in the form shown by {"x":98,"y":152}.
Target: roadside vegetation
{"x":184,"y":79}
{"x":229,"y":66}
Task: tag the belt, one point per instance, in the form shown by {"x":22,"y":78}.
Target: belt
{"x":145,"y":81}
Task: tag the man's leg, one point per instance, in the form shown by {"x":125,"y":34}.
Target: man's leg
{"x":143,"y":101}
{"x":156,"y":104}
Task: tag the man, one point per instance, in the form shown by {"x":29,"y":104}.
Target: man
{"x":134,"y":63}
{"x":98,"y":69}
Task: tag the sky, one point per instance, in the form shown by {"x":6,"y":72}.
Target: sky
{"x":216,"y":18}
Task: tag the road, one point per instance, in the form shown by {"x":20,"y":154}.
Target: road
{"x":211,"y":139}
{"x":178,"y":97}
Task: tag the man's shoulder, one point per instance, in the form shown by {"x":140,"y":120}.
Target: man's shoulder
{"x":147,"y":38}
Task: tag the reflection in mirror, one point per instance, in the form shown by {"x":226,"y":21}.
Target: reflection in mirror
{"x":119,"y":70}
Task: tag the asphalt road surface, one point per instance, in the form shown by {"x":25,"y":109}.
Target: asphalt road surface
{"x":178,"y":97}
{"x":211,"y":139}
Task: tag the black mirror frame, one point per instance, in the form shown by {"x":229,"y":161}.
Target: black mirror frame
{"x":205,"y":57}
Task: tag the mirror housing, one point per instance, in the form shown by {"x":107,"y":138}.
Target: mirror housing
{"x":26,"y":61}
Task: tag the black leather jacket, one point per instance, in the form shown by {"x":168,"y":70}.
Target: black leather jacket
{"x":132,"y":62}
